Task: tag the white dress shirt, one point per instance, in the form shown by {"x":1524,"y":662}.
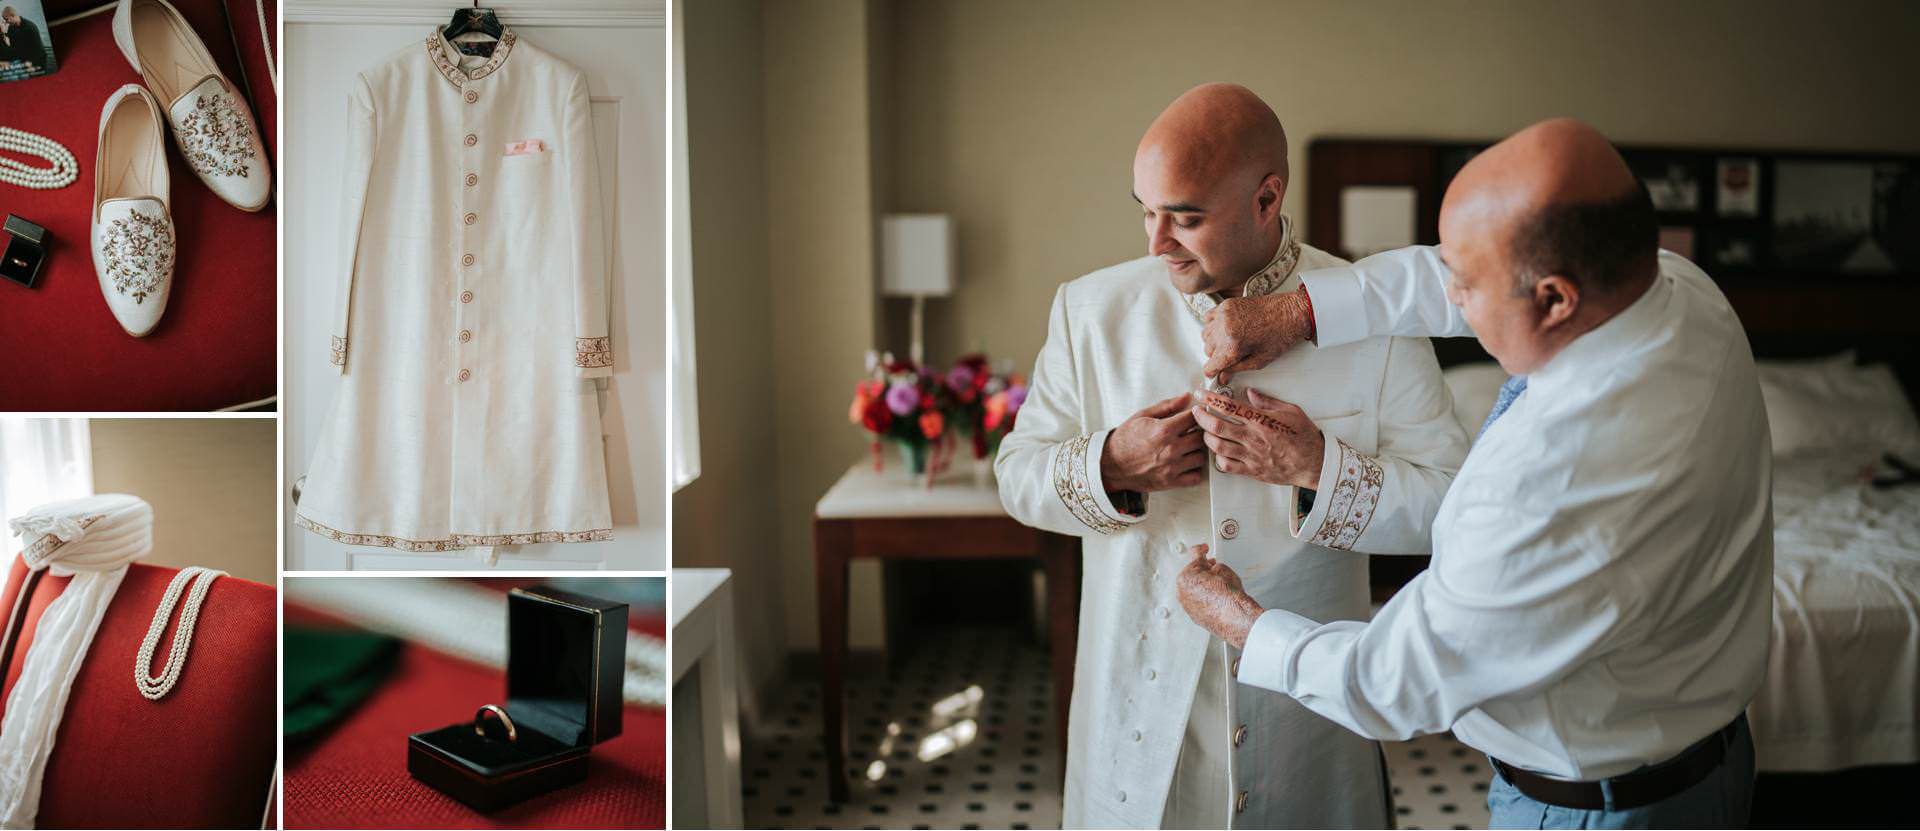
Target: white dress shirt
{"x":1158,"y":734}
{"x":1600,"y":591}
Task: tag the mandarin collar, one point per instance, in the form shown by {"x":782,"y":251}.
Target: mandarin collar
{"x":1277,"y":276}
{"x":449,"y":65}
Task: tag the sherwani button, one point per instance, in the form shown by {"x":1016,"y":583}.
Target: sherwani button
{"x":1164,"y":614}
{"x":472,"y":218}
{"x":466,"y":297}
{"x":467,"y":260}
{"x":472,"y":139}
{"x":1136,"y":735}
{"x":467,"y":336}
{"x":1240,"y":803}
{"x":1123,"y":796}
{"x":1240,"y":736}
{"x":1152,"y":675}
{"x":472,"y":96}
{"x":464,"y":375}
{"x":1236,"y":668}
{"x":472,"y":180}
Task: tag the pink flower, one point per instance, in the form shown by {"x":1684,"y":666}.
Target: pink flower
{"x":960,"y":378}
{"x":1016,"y":396}
{"x":902,"y":398}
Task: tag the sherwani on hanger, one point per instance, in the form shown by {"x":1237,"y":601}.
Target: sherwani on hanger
{"x":1159,"y":733}
{"x":472,"y":317}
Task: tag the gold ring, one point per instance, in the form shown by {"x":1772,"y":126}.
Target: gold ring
{"x":480,"y":722}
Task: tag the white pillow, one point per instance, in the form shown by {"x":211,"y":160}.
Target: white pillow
{"x":1828,"y":404}
{"x":1475,"y":387}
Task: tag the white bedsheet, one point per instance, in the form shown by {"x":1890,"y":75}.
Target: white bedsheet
{"x":1843,"y":673}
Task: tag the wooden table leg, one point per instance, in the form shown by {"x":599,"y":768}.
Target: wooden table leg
{"x":1063,"y":619}
{"x":832,"y":540}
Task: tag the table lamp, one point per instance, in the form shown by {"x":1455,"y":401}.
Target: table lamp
{"x":916,"y":260}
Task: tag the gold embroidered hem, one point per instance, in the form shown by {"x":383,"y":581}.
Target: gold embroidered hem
{"x":339,"y":349}
{"x":592,"y":353}
{"x":49,"y":542}
{"x":453,"y":542}
{"x":1353,"y":499}
{"x":1070,"y":482}
{"x":437,"y":49}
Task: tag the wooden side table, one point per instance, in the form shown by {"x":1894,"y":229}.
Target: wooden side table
{"x":882,"y":515}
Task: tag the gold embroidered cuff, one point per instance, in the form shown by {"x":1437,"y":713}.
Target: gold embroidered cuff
{"x":339,"y":356}
{"x":1075,"y":489}
{"x":1351,"y":501}
{"x":592,"y":353}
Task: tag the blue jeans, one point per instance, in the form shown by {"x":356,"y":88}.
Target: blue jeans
{"x":1719,"y":801}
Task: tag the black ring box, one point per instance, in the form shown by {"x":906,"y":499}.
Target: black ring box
{"x":566,"y":661}
{"x":26,"y":250}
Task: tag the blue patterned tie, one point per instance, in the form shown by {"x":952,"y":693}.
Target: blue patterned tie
{"x":1509,"y":391}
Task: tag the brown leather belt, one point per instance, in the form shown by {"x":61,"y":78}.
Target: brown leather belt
{"x":1630,"y":790}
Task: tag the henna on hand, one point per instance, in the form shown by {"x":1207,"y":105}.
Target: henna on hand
{"x":1247,"y":333}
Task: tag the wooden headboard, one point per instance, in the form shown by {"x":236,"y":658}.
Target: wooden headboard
{"x":1790,"y":310}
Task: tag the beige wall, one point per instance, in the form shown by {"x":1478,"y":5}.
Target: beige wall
{"x":1021,"y":118}
{"x":210,"y":481}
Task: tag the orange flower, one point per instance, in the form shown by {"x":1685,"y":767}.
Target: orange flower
{"x":996,"y":409}
{"x":931,"y":423}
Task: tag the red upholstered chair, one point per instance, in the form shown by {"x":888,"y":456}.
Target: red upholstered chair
{"x":203,"y":756}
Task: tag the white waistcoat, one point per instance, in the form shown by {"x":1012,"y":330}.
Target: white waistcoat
{"x":472,"y":315}
{"x":1118,"y":340}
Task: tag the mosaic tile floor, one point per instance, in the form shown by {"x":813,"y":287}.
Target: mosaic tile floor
{"x":957,"y":736}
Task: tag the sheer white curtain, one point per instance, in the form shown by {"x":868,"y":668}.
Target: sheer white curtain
{"x":41,"y":460}
{"x":686,"y":408}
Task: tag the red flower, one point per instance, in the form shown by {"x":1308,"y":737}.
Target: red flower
{"x":876,"y":417}
{"x":931,"y":423}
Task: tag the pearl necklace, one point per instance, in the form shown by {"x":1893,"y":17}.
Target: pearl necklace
{"x":61,"y":171}
{"x":156,"y":686}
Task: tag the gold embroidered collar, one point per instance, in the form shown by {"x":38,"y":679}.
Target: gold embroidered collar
{"x":437,"y":47}
{"x":1269,"y":280}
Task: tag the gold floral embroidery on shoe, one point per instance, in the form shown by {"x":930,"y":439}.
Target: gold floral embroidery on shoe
{"x":216,"y":136}
{"x":590,"y":353}
{"x":138,"y":253}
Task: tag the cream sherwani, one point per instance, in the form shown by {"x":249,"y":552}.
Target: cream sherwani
{"x":1158,"y":733}
{"x":472,"y":316}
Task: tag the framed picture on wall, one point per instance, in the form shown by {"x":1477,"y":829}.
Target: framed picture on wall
{"x":26,"y":47}
{"x":1737,"y":187}
{"x":1823,"y":216}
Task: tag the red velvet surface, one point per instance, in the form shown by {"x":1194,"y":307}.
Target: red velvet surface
{"x":356,"y":775}
{"x":202,"y":757}
{"x":63,"y":350}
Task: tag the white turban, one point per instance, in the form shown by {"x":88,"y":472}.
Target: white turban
{"x":92,"y":539}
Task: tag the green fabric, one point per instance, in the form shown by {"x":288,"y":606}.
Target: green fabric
{"x":328,"y":672}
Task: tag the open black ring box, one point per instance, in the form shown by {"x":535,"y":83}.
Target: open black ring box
{"x":566,"y":660}
{"x":25,"y":250}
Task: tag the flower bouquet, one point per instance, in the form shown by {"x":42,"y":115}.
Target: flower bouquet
{"x":920,"y":411}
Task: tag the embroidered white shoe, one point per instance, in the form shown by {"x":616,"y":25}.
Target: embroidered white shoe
{"x":132,"y":229}
{"x":211,"y":120}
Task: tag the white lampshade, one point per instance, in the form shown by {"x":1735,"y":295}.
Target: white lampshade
{"x":916,"y":255}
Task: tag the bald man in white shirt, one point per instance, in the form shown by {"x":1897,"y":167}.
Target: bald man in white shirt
{"x":1596,"y":615}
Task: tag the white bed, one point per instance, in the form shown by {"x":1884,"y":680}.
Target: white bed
{"x":1843,"y":675}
